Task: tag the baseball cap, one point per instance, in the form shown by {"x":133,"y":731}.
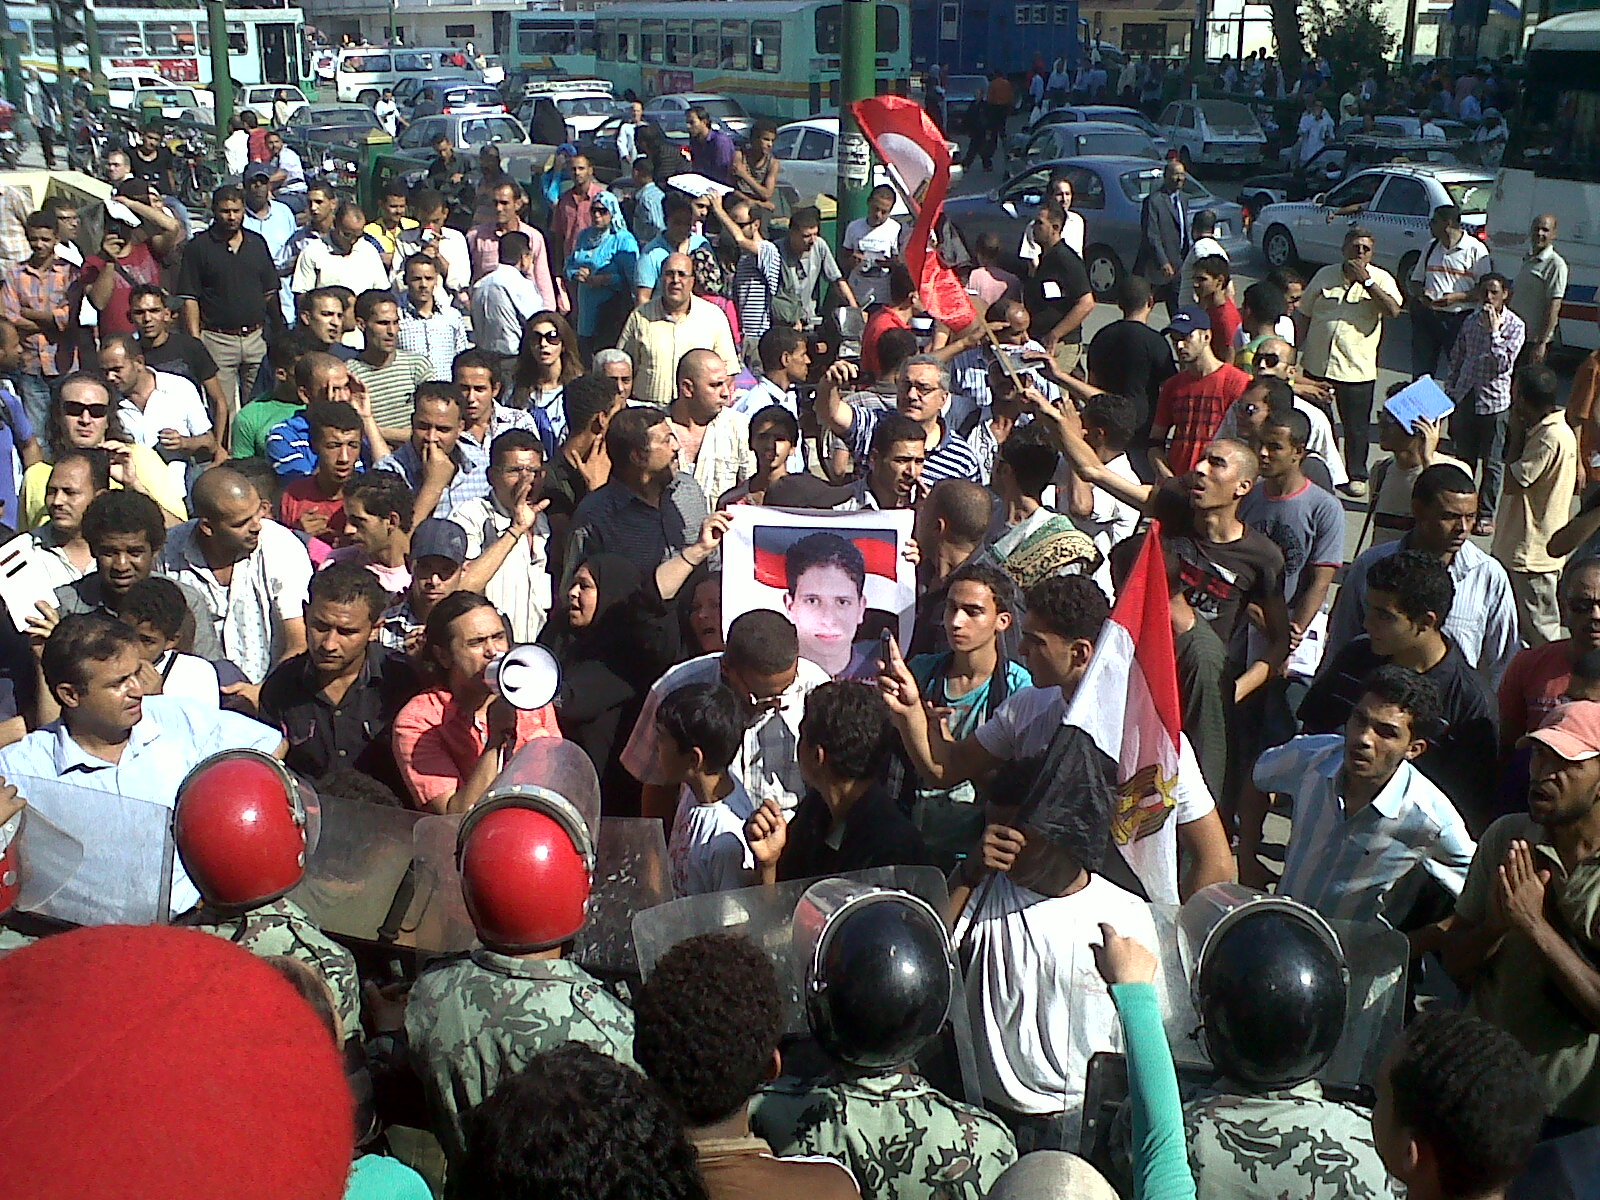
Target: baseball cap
{"x":438,"y":538}
{"x":1187,"y":321}
{"x":257,"y":171}
{"x":1572,"y":730}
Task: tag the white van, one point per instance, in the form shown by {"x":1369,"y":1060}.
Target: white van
{"x":364,"y":71}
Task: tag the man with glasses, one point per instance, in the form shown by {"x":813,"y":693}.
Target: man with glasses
{"x":1345,"y":304}
{"x":1538,"y":677}
{"x":923,"y":389}
{"x":671,"y":323}
{"x":758,"y":274}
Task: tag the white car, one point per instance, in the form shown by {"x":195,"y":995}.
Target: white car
{"x":584,"y":104}
{"x":807,"y":153}
{"x":1394,"y":201}
{"x":1213,"y":132}
{"x":122,"y":82}
{"x":259,"y":98}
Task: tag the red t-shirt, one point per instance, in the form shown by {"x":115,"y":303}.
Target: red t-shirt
{"x":1533,"y":684}
{"x":139,"y":266}
{"x":257,"y":149}
{"x":304,"y":495}
{"x":883,"y":320}
{"x":1225,"y":326}
{"x":1192,"y":407}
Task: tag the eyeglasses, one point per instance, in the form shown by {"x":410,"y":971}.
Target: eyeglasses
{"x":1268,"y":359}
{"x":922,"y":389}
{"x":74,"y":408}
{"x":1361,"y":249}
{"x":548,"y":336}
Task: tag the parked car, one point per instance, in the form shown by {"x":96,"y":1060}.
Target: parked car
{"x":599,"y":145}
{"x":327,"y":123}
{"x":260,"y":97}
{"x":807,"y":152}
{"x":1213,"y":132}
{"x":671,"y":112}
{"x":454,"y":96}
{"x":1107,"y":193}
{"x":1393,"y":126}
{"x":405,"y":91}
{"x":122,"y":82}
{"x":1090,"y":137}
{"x":174,"y":103}
{"x":1074,"y":113}
{"x":583,"y":106}
{"x":1394,"y":201}
{"x":1333,"y":162}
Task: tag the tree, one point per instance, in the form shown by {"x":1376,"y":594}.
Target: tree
{"x":1286,"y":34}
{"x":1350,"y":34}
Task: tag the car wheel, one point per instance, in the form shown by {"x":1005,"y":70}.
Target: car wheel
{"x":1278,"y":247}
{"x":367,"y":96}
{"x":1105,"y":271}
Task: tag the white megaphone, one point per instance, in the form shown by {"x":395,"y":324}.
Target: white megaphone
{"x":526,"y":677}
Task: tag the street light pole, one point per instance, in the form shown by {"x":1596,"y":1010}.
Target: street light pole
{"x":858,"y":69}
{"x":97,"y":74}
{"x":221,"y":79}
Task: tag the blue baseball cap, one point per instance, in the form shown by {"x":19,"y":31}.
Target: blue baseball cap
{"x":1187,"y":321}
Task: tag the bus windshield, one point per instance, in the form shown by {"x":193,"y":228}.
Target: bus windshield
{"x":1557,"y":135}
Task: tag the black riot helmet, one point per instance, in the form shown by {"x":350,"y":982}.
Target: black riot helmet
{"x":879,"y":972}
{"x":1271,"y":990}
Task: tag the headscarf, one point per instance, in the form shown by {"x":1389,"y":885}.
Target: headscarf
{"x":619,"y":223}
{"x":615,"y":579}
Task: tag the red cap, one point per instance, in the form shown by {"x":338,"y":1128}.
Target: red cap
{"x":1572,"y":730}
{"x":162,"y":1062}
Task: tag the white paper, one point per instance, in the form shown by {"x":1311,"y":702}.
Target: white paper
{"x":1051,"y":289}
{"x":24,"y":579}
{"x":699,"y":185}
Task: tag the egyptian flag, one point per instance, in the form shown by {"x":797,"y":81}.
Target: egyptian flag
{"x":914,"y":151}
{"x":772,"y":543}
{"x":1128,"y":703}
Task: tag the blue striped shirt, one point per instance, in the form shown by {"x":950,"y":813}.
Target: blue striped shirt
{"x":1367,"y":865}
{"x":952,"y":458}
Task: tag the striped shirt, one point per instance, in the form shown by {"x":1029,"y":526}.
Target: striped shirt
{"x":390,"y":387}
{"x":755,"y":282}
{"x":470,"y":482}
{"x":952,"y":458}
{"x":1481,"y":361}
{"x":521,"y":589}
{"x":1368,"y":865}
{"x":23,"y":286}
{"x":438,"y":338}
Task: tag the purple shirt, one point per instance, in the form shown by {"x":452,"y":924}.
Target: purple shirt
{"x":712,"y":156}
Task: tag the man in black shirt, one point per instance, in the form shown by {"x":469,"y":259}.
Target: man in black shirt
{"x":175,"y":352}
{"x":229,"y":286}
{"x":848,"y":821}
{"x":1408,"y":598}
{"x":580,"y":464}
{"x":1057,"y":295}
{"x":152,"y":162}
{"x":336,"y":702}
{"x":1132,"y":359}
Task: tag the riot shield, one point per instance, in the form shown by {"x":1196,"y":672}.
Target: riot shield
{"x":47,"y":859}
{"x":360,"y":864}
{"x":125,"y":873}
{"x":766,"y":916}
{"x":630,"y":875}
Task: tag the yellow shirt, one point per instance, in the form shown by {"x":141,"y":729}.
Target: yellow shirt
{"x":656,"y":342}
{"x":386,"y":239}
{"x":148,"y":468}
{"x":1537,"y":495}
{"x":1346,"y":324}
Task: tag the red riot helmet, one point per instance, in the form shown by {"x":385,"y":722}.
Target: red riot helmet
{"x":240,"y":827}
{"x":526,"y":864}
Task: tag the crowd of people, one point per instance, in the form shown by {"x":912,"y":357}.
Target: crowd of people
{"x":385,"y":452}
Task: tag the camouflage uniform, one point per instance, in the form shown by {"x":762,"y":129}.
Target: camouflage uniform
{"x":901,"y":1137}
{"x":283,"y":927}
{"x":475,"y":1019}
{"x":1283,"y":1143}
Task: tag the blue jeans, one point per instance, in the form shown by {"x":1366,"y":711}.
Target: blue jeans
{"x":1482,"y":436}
{"x":35,"y":393}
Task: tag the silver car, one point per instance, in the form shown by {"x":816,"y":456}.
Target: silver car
{"x":1107,"y":194}
{"x":1085,"y":138}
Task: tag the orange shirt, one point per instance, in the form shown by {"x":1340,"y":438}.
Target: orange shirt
{"x":437,"y":743}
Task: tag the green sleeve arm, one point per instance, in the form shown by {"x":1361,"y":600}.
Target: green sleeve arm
{"x":1160,"y":1159}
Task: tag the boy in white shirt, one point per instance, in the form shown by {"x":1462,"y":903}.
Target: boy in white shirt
{"x":156,"y":611}
{"x":1202,"y":230}
{"x":701,"y":727}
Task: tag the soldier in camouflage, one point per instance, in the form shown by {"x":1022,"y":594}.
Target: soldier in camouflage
{"x":282,"y":927}
{"x":900,"y":1136}
{"x":475,"y":1019}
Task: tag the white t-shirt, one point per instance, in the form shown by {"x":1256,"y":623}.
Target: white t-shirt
{"x":174,"y":404}
{"x":1039,"y":1008}
{"x":189,"y":677}
{"x":876,"y":244}
{"x":1022,"y":728}
{"x":707,"y":851}
{"x":1109,"y":521}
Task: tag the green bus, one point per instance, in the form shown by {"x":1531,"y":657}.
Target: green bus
{"x":777,"y":59}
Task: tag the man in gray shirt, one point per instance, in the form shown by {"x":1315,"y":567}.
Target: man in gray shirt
{"x":807,"y":263}
{"x":1541,"y":283}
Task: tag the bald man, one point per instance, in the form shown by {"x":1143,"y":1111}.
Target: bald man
{"x":252,"y":572}
{"x":713,"y":437}
{"x":671,"y":323}
{"x":1541,"y":283}
{"x":949,"y":529}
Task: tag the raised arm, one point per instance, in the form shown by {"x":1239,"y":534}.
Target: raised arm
{"x":833,"y":411}
{"x":1064,"y":428}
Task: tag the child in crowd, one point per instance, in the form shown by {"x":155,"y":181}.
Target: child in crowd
{"x":154,"y":608}
{"x":702,"y":727}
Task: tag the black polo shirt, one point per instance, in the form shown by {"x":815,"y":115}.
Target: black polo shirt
{"x":181,"y":355}
{"x":232,"y":287}
{"x":874,"y":833}
{"x":1056,"y":285}
{"x":323,"y":737}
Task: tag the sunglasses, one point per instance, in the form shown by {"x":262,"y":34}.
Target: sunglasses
{"x":73,"y":408}
{"x":548,"y":336}
{"x":1268,"y":359}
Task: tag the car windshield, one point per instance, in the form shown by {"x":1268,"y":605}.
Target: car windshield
{"x":1229,"y":118}
{"x":722,"y":110}
{"x":1136,"y":185}
{"x":1471,"y":196}
{"x":1133,"y":143}
{"x":491,"y":129}
{"x":175,"y":97}
{"x":587,"y":106}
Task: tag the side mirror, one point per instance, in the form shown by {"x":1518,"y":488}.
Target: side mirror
{"x":1320,"y":198}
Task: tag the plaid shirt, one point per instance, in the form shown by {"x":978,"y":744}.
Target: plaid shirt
{"x":23,"y":286}
{"x":14,"y":210}
{"x":1481,"y":362}
{"x":438,"y":338}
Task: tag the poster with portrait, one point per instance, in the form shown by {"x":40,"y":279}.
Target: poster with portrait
{"x":841,"y":577}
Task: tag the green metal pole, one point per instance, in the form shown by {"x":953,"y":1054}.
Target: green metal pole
{"x":221,"y":78}
{"x":391,"y":21}
{"x":858,"y":64}
{"x":63,"y":90}
{"x":97,"y":73}
{"x":12,"y":58}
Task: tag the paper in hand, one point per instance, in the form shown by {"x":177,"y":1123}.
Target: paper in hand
{"x":699,"y":185}
{"x":1423,"y":399}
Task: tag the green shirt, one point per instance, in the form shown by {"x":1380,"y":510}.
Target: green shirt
{"x":255,"y":419}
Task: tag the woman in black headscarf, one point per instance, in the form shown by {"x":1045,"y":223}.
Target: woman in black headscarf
{"x":614,"y":638}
